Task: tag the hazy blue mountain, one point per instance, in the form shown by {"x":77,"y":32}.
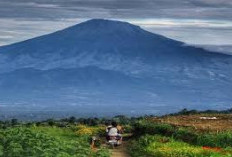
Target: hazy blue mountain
{"x":103,"y":67}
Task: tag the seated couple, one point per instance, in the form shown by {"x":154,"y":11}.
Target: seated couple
{"x":114,"y":130}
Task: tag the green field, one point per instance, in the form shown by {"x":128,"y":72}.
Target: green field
{"x":164,"y":140}
{"x":160,"y":146}
{"x":144,"y":137}
{"x":46,"y":142}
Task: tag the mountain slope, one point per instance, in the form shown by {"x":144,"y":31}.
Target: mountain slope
{"x":112,"y":63}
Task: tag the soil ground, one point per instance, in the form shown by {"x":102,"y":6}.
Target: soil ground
{"x":120,"y":151}
{"x":222,"y":122}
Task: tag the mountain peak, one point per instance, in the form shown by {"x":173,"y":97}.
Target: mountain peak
{"x":102,"y":21}
{"x":103,"y":25}
{"x":106,"y":22}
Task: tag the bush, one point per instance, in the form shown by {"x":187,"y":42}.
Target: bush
{"x":186,"y":135}
{"x":127,"y":129}
{"x":223,"y":139}
{"x":102,"y":153}
{"x":145,"y":127}
{"x":89,"y":130}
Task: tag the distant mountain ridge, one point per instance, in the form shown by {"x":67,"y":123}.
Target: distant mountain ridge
{"x":101,"y":63}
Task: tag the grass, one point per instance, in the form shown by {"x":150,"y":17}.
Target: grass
{"x":157,"y":138}
{"x":160,"y":146}
{"x":223,"y":139}
{"x":188,"y":135}
{"x":63,"y":133}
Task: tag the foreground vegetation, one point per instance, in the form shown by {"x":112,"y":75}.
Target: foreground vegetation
{"x":173,"y":135}
{"x":45,"y":142}
{"x":160,"y":146}
{"x":189,"y":135}
{"x":164,"y":140}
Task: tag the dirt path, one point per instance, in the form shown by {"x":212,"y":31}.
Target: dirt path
{"x":119,"y":152}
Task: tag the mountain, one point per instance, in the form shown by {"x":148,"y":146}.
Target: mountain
{"x":103,"y":68}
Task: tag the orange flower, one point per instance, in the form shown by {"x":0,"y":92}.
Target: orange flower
{"x":216,"y":149}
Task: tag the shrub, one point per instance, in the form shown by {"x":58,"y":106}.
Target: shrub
{"x":186,"y":135}
{"x":223,"y":139}
{"x":102,"y":153}
{"x":89,"y":130}
{"x":146,"y":127}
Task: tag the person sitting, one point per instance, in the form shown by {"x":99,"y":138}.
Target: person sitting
{"x":108,"y":126}
{"x":114,"y":132}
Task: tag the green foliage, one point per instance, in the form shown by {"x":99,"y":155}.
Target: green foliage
{"x":123,"y":120}
{"x":146,"y":127}
{"x":102,"y":153}
{"x":43,"y":142}
{"x":186,"y":135}
{"x":14,"y":122}
{"x":223,"y":139}
{"x":159,"y":146}
{"x":191,"y":112}
{"x":51,"y":122}
{"x":127,"y":129}
{"x":72,"y":120}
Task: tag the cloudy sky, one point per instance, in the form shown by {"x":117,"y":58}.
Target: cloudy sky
{"x":196,"y":22}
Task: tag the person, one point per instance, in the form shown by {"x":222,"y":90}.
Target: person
{"x":108,"y":126}
{"x":113,"y":131}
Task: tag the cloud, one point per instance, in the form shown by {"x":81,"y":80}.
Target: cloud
{"x":15,"y":30}
{"x":227,"y":49}
{"x":191,"y":21}
{"x":183,"y":23}
{"x":47,"y":9}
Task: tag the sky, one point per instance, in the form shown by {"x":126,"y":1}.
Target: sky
{"x":207,"y":23}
